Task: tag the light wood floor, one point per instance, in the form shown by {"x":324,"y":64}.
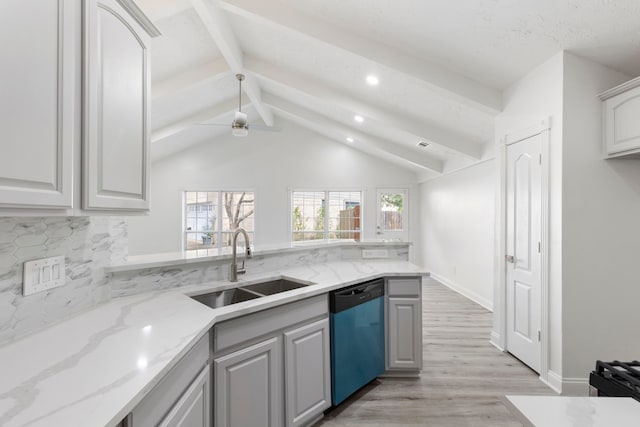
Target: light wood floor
{"x":464,"y":378}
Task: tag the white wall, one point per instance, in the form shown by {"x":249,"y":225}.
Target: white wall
{"x":457,"y":230}
{"x":271,"y":164}
{"x":536,"y":97}
{"x":594,"y":206}
{"x":601,"y":231}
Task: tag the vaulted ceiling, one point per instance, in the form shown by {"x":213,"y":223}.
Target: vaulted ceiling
{"x":441,"y":65}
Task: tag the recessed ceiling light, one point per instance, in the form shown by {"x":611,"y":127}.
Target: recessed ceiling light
{"x":349,"y":139}
{"x":358,"y":119}
{"x":372,"y":80}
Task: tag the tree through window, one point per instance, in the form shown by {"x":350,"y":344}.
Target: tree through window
{"x":212,"y":217}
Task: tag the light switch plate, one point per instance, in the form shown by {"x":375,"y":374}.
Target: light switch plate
{"x":375,"y":253}
{"x":42,"y":274}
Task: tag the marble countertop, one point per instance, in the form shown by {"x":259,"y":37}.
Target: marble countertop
{"x":94,"y":368}
{"x":204,"y":255}
{"x":562,"y":411}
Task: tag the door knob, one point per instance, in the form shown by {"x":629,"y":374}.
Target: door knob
{"x":509,"y":258}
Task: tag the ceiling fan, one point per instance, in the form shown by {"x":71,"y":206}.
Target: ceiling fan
{"x":240,"y":126}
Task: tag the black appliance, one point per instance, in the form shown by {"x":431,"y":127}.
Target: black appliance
{"x":616,"y":379}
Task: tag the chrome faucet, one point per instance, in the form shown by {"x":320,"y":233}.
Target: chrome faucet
{"x":233,"y":275}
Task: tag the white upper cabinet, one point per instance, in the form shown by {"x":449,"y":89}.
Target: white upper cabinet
{"x":116,"y":106}
{"x":43,"y":127}
{"x":621,"y":110}
{"x":38,"y":40}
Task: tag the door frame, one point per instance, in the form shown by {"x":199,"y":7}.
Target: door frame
{"x":405,"y":208}
{"x":499,"y":333}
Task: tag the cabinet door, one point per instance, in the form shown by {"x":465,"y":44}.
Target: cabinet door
{"x":185,"y":386}
{"x":621,"y":125}
{"x":116,"y":109}
{"x":307,"y":372}
{"x":248,"y":386}
{"x":404,"y":333}
{"x":194,"y":407}
{"x":37,"y":86}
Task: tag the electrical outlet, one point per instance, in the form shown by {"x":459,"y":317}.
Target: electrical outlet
{"x":375,"y":253}
{"x":42,"y":274}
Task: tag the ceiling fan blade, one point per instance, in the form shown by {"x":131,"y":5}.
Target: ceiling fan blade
{"x":215,"y":124}
{"x":265,"y":128}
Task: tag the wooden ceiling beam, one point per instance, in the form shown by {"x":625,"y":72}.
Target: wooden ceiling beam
{"x":209,"y":72}
{"x":432,"y":75}
{"x":220,"y":31}
{"x":415,"y":126}
{"x":339,"y":132}
{"x":225,"y":107}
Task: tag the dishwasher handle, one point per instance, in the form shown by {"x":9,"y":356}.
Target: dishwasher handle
{"x":345,"y":298}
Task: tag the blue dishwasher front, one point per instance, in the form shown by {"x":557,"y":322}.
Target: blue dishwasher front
{"x":357,"y":338}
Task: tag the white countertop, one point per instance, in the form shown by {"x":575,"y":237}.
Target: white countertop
{"x":562,"y":411}
{"x":94,"y":368}
{"x":168,"y":259}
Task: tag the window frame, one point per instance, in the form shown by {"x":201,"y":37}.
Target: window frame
{"x":326,"y":232}
{"x":219,"y":232}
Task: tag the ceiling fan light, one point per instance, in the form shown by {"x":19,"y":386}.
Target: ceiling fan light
{"x":240,"y":118}
{"x":239,"y":131}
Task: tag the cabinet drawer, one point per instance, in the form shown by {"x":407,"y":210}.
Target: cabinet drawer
{"x":247,"y":328}
{"x":404,"y":287}
{"x":163,"y":396}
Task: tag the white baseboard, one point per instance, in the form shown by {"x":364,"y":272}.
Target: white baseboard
{"x":575,"y":387}
{"x":464,"y":291}
{"x":567,"y":386}
{"x":401,"y":374}
{"x":495,"y":340}
{"x":554,"y":381}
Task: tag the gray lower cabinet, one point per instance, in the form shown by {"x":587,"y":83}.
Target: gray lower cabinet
{"x":307,"y":372}
{"x":272,"y":368}
{"x":404,"y":323}
{"x":194,"y":407}
{"x":182,"y":398}
{"x":248,"y":386}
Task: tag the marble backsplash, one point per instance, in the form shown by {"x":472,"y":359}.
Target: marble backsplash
{"x":91,"y":244}
{"x":159,"y":278}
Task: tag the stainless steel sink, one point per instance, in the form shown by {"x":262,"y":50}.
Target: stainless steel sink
{"x":247,"y":293}
{"x":274,"y":286}
{"x":224,"y":298}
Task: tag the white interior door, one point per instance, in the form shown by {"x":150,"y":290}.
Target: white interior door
{"x":393,"y":221}
{"x":524,"y":232}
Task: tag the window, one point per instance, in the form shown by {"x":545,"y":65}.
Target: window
{"x":325,"y":215}
{"x":211,"y":217}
